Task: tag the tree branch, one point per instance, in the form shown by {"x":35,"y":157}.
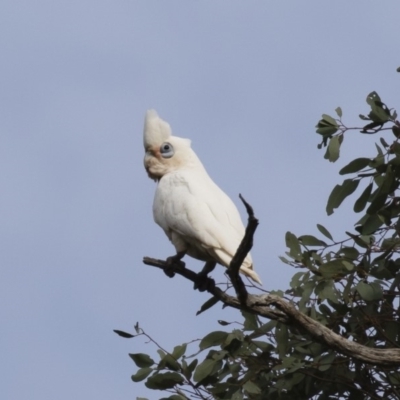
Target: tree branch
{"x":379,"y":357}
{"x":226,"y":299}
{"x":241,"y":253}
{"x":281,"y":310}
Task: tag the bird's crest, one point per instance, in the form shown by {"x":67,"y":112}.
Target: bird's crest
{"x":156,"y":130}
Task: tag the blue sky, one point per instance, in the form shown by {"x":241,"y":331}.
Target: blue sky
{"x":245,"y":81}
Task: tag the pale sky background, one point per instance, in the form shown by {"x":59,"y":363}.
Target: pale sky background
{"x":245,"y":81}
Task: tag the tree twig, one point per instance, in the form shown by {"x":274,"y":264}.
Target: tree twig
{"x":241,"y":253}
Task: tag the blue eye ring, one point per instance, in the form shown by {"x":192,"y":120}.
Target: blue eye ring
{"x":166,"y":150}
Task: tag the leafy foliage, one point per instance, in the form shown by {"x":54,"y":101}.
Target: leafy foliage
{"x":350,"y":286}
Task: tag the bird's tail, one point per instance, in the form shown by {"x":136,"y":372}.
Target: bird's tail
{"x":225,"y":258}
{"x":251,"y":274}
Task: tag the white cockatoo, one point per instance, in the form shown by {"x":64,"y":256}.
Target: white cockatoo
{"x":197,"y":216}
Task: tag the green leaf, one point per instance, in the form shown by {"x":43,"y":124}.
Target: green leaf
{"x":179,"y":351}
{"x":203,"y":370}
{"x":305,"y":296}
{"x":327,"y":126}
{"x":293,"y":244}
{"x":376,"y":204}
{"x":392,"y":330}
{"x":339,"y":193}
{"x":164,"y":381}
{"x":369,"y":291}
{"x":359,"y":240}
{"x":324,"y":231}
{"x":236,"y":337}
{"x":377,"y":290}
{"x":325,"y":362}
{"x":188,"y":369}
{"x":263,"y":329}
{"x":282,"y":339}
{"x":141,"y":374}
{"x":332,"y":269}
{"x":142,"y":360}
{"x":250,"y":321}
{"x":264,"y":346}
{"x":333,"y":150}
{"x":169,"y":362}
{"x":324,"y":309}
{"x":123,"y":334}
{"x":339,"y":112}
{"x":192,"y":365}
{"x":395,"y":149}
{"x":387,"y":185}
{"x":161,"y":353}
{"x":208,"y":304}
{"x":355,"y":166}
{"x":349,"y":266}
{"x":349,"y":252}
{"x":237,"y":396}
{"x":394,"y":377}
{"x":296,"y":378}
{"x":137,"y":328}
{"x":251,"y":387}
{"x":329,"y":119}
{"x":284,"y":260}
{"x":361,"y":202}
{"x":326,"y":130}
{"x":372,"y":223}
{"x":380,"y":152}
{"x":215,"y":338}
{"x":372,"y":127}
{"x":372,"y":97}
{"x":378,"y":160}
{"x":295,"y":281}
{"x":383,"y":142}
{"x":327,"y":291}
{"x":396,"y":130}
{"x":290,"y":361}
{"x":379,"y":111}
{"x":390,"y":244}
{"x":309,"y":240}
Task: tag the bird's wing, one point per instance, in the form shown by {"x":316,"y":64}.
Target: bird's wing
{"x":192,"y":205}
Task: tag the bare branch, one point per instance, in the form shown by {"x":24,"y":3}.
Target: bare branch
{"x":241,"y":253}
{"x":225,"y":298}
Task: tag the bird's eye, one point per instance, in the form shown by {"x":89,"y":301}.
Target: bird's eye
{"x":166,"y":150}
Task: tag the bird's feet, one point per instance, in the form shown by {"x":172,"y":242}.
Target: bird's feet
{"x":172,"y":263}
{"x":203,"y":282}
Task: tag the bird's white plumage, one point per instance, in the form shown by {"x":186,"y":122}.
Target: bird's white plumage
{"x":196,"y":215}
{"x":156,"y":129}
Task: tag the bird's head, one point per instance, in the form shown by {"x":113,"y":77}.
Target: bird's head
{"x":164,"y":153}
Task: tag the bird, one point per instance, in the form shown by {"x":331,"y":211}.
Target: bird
{"x":196,"y":215}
